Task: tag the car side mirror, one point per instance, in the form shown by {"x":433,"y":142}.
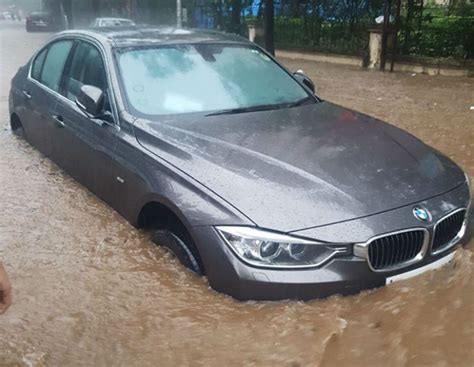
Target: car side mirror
{"x":90,"y":100}
{"x":304,"y":79}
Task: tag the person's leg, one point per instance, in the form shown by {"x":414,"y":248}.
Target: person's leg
{"x":5,"y":290}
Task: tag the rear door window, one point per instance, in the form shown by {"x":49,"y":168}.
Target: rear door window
{"x":54,"y":64}
{"x":38,"y":65}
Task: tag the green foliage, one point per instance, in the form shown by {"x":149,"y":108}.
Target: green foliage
{"x":447,"y":37}
{"x":440,"y":32}
{"x":325,"y":36}
{"x":433,"y":32}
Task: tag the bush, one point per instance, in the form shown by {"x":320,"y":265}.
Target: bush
{"x":443,"y":36}
{"x":324,"y":35}
{"x":451,"y":36}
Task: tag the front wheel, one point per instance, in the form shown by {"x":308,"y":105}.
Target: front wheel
{"x":185,"y":253}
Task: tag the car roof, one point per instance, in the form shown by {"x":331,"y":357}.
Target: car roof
{"x":116,"y":19}
{"x":148,"y":36}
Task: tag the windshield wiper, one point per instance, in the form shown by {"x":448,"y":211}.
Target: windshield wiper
{"x":232,"y":111}
{"x":302,"y":101}
{"x":265,"y":107}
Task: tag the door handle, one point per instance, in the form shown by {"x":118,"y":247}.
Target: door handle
{"x":26,"y":94}
{"x":59,"y":120}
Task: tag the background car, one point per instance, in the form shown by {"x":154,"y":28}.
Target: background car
{"x":112,"y":22}
{"x":41,"y":21}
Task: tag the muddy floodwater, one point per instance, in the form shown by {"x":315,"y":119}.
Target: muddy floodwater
{"x":90,"y":290}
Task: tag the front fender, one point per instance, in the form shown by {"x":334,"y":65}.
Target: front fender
{"x":149,"y":178}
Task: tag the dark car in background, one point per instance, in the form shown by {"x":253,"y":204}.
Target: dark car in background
{"x":41,"y":21}
{"x":236,"y":166}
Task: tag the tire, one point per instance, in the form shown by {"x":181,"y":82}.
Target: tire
{"x":20,"y":132}
{"x":185,"y":253}
{"x":18,"y":129}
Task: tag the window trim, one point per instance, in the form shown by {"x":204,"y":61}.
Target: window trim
{"x":108,"y":72}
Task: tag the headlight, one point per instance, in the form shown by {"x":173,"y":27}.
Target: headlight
{"x":268,"y":249}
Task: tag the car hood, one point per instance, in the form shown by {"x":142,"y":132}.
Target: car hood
{"x":302,"y":167}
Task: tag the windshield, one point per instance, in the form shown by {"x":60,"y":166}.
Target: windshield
{"x":204,"y":77}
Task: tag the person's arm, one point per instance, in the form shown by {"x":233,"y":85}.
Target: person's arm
{"x":5,"y":290}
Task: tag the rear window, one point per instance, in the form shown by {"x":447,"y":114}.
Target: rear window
{"x":39,"y":14}
{"x":116,"y":22}
{"x":38,"y":65}
{"x":54,"y":64}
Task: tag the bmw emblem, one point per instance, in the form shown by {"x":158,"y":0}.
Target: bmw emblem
{"x":421,"y":214}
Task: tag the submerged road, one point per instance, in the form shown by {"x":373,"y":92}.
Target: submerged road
{"x":92,"y":290}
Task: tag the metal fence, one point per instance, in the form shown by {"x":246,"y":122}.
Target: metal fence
{"x":343,"y":26}
{"x":326,"y":36}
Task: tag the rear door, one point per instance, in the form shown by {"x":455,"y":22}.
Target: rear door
{"x":86,"y":146}
{"x":41,"y":94}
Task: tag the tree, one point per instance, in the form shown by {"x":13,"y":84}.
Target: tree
{"x":96,"y":8}
{"x":270,"y":26}
{"x":67,"y":7}
{"x":235,"y":21}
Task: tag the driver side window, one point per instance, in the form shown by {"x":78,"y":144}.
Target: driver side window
{"x":86,"y":68}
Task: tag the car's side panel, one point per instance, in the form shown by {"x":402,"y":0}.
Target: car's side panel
{"x":38,"y":119}
{"x":144,"y":177}
{"x":84,"y":146}
{"x":85,"y":149}
{"x":17,"y":99}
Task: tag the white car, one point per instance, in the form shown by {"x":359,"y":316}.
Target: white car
{"x":112,"y":22}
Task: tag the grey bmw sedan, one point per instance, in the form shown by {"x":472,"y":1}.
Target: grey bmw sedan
{"x":235,"y":165}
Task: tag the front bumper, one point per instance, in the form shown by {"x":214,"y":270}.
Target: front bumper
{"x":347,"y":275}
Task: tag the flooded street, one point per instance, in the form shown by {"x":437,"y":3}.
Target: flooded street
{"x":90,"y":290}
